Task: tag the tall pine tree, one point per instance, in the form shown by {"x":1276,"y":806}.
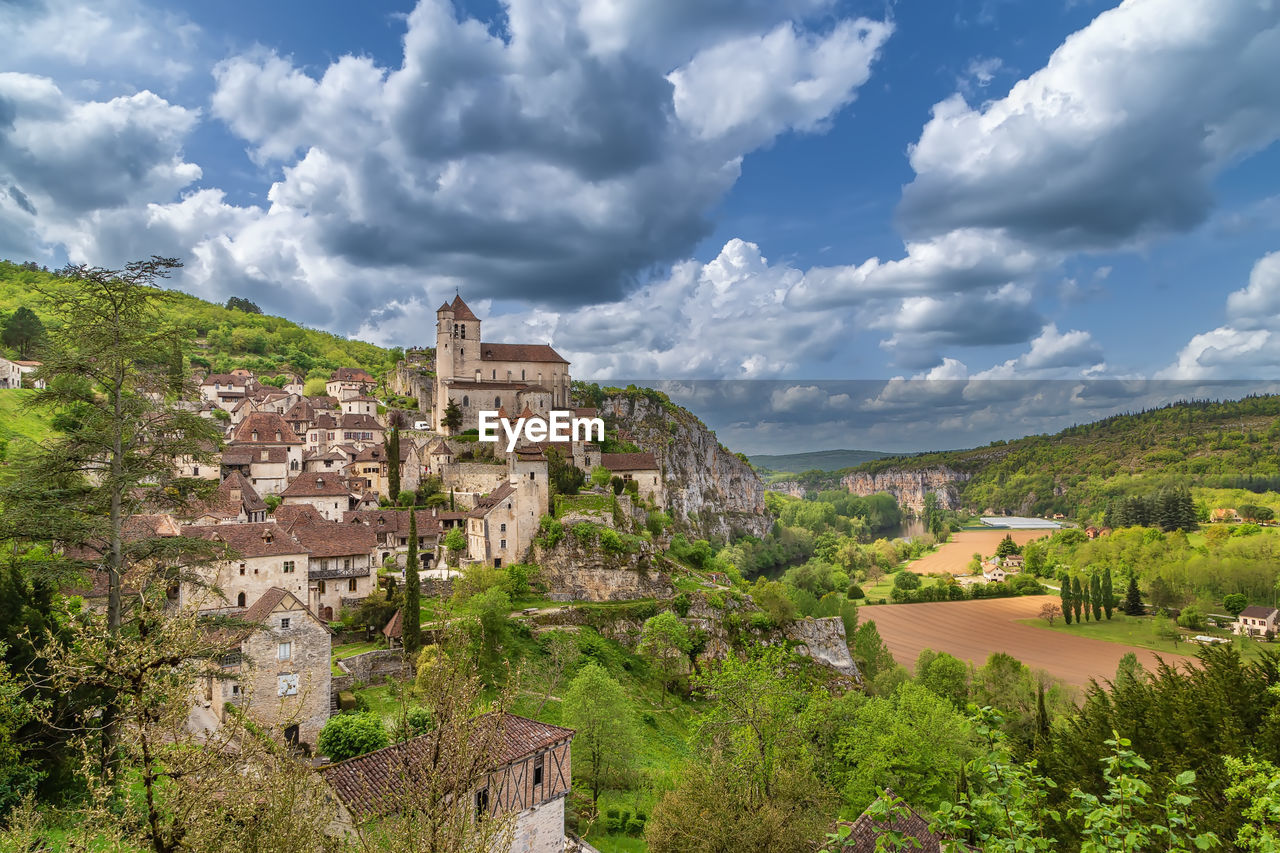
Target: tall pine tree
{"x":1108,"y":592}
{"x":1095,"y":596}
{"x":1077,"y":599}
{"x":1133,"y":598}
{"x":1064,"y":592}
{"x":393,"y":464}
{"x":411,"y":621}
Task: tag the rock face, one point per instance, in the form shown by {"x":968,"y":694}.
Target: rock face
{"x":413,"y":380}
{"x":573,"y":571}
{"x":711,"y":493}
{"x":909,"y":486}
{"x":824,"y":641}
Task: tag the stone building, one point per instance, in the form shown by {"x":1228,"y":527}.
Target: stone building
{"x":479,"y":375}
{"x":348,"y":382}
{"x":328,"y":493}
{"x":273,"y":449}
{"x":280,"y":670}
{"x":528,"y":778}
{"x":265,"y":557}
{"x":640,"y":468}
{"x":340,"y":567}
{"x":234,"y":502}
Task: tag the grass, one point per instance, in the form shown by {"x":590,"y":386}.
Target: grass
{"x":351,"y":650}
{"x":1141,"y":631}
{"x":883,"y":588}
{"x":586,"y":502}
{"x":17,"y":421}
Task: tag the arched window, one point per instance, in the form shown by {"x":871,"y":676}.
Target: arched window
{"x":465,"y":400}
{"x":497,"y":401}
{"x":240,"y":600}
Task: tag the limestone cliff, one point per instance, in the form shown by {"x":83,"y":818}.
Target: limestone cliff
{"x":711,"y":493}
{"x":578,"y":571}
{"x":909,"y":486}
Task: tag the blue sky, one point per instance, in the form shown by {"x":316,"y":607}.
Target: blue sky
{"x":1059,"y":189}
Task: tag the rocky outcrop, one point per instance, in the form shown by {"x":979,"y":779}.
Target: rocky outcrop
{"x":909,"y":485}
{"x":413,"y":380}
{"x":711,"y":493}
{"x":824,"y":641}
{"x":577,"y":571}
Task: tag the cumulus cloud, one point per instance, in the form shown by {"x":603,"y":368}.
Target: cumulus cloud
{"x":1248,"y":345}
{"x":1117,"y":138}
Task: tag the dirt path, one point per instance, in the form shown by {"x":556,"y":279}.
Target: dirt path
{"x":953,"y":557}
{"x":972,"y":630}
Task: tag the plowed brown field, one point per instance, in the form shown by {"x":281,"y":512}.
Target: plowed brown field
{"x":972,"y":630}
{"x":953,"y":557}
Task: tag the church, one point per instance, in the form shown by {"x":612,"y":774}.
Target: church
{"x":516,"y":379}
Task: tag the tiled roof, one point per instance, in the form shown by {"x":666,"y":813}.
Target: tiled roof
{"x":396,"y":520}
{"x":317,"y":484}
{"x":1257,"y":611}
{"x":394,"y":629}
{"x":222,"y":503}
{"x":520,"y":352}
{"x":460,"y":309}
{"x":865,"y":831}
{"x":266,"y":425}
{"x":259,"y":539}
{"x":629,"y":461}
{"x":491,"y":500}
{"x":237,"y":455}
{"x":324,"y":538}
{"x":372,"y":783}
{"x":360,"y":422}
{"x":350,"y":374}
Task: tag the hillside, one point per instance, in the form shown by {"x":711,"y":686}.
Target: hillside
{"x":1225,"y":445}
{"x":221,"y":339}
{"x":816,"y":460}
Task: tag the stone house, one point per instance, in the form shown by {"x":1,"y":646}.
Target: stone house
{"x":391,"y":531}
{"x":372,"y":466}
{"x":528,"y":779}
{"x":348,"y":382}
{"x":235,"y":502}
{"x":275,"y":451}
{"x":279,"y":670}
{"x":1256,"y":620}
{"x":1013,"y":563}
{"x":360,"y":430}
{"x":993,"y":574}
{"x":225,"y":390}
{"x":361,"y":405}
{"x":328,"y":493}
{"x":14,"y":371}
{"x":322,"y":461}
{"x":491,"y":528}
{"x":264,"y":557}
{"x":340,"y":567}
{"x":640,"y":468}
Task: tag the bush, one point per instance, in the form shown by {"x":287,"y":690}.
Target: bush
{"x":348,"y":735}
{"x":635,"y":826}
{"x":906,"y":580}
{"x":550,"y":532}
{"x":1191,"y":618}
{"x":681,"y":604}
{"x":855,"y":592}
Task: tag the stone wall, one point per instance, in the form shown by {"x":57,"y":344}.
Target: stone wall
{"x":374,"y":666}
{"x":309,"y":652}
{"x":540,"y":829}
{"x":477,"y":477}
{"x":573,"y":571}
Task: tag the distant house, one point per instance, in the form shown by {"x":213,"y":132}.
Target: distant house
{"x":1256,"y":621}
{"x":1013,"y":563}
{"x":348,"y":382}
{"x":339,"y":568}
{"x":1091,"y":532}
{"x":12,"y":372}
{"x":235,"y":501}
{"x":1224,"y":514}
{"x":640,"y":468}
{"x":328,"y":493}
{"x":526,"y":774}
{"x":994,"y":574}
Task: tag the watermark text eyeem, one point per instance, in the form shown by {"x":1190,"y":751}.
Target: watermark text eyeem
{"x":561,"y":426}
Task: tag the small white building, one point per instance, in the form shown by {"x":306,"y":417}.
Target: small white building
{"x":1256,"y":620}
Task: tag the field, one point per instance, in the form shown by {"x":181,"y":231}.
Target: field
{"x":972,"y":630}
{"x":19,"y":422}
{"x":953,"y":557}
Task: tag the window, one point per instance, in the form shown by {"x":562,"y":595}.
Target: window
{"x":465,"y":400}
{"x":242,"y":568}
{"x":284,"y":623}
{"x":533,"y":475}
{"x":346,"y":563}
{"x":288,"y":567}
{"x":497,"y":401}
{"x":482,"y":802}
{"x":240,"y":600}
{"x":284,"y":651}
{"x":195,"y":471}
{"x":537,"y":771}
{"x":322,"y":590}
{"x":287,"y":685}
{"x":351,"y":585}
{"x":502,"y":543}
{"x":502,"y":528}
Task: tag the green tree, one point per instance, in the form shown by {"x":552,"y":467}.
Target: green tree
{"x":411,"y":621}
{"x":23,"y":332}
{"x":1133,"y":598}
{"x":944,"y":675}
{"x":1095,"y":596}
{"x":871,"y":652}
{"x":1007,"y":547}
{"x":603,"y":718}
{"x":600,"y":476}
{"x":455,"y":542}
{"x":1064,"y":593}
{"x":239,"y":303}
{"x":1108,"y":592}
{"x":664,"y":642}
{"x":393,"y":463}
{"x":349,"y":735}
{"x":1078,"y":602}
{"x":452,"y":416}
{"x":1235,"y":603}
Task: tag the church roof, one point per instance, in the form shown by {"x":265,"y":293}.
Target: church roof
{"x":461,"y":311}
{"x":520,"y":352}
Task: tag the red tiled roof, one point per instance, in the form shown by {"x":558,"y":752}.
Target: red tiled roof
{"x":460,"y":310}
{"x":259,"y":539}
{"x":520,"y":352}
{"x":317,"y":484}
{"x":324,"y":538}
{"x":629,"y":461}
{"x":491,"y":500}
{"x":266,"y":424}
{"x":865,"y":830}
{"x":396,"y":520}
{"x":222,"y":504}
{"x":394,"y":629}
{"x":350,"y":374}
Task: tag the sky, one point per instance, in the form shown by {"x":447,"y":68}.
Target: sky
{"x":801,"y":190}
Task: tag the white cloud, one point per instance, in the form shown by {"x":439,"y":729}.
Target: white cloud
{"x":1116,"y":138}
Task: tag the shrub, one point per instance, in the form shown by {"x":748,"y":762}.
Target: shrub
{"x":1191,"y":618}
{"x":635,"y":826}
{"x":681,"y":603}
{"x":550,"y":532}
{"x":348,"y":735}
{"x":584,"y":532}
{"x":906,"y":580}
{"x":855,"y":592}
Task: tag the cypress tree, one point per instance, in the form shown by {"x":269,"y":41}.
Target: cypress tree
{"x":411,"y":628}
{"x":1064,"y":593}
{"x":1095,"y":596}
{"x":1108,"y":592}
{"x":393,"y":464}
{"x":1077,"y":599}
